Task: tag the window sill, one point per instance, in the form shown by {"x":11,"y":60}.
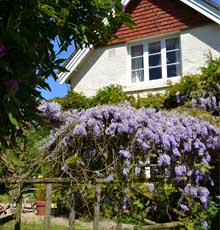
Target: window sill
{"x":154,"y":85}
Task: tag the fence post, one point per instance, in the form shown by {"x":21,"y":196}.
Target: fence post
{"x":48,"y":207}
{"x":18,"y":208}
{"x":97,"y":206}
{"x":121,"y":206}
{"x":72,"y":215}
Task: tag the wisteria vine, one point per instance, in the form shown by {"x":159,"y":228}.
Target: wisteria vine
{"x":120,"y":143}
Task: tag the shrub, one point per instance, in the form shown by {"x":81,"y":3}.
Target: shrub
{"x":115,"y":143}
{"x":197,"y":91}
{"x":74,"y":100}
{"x":151,"y":100}
{"x":112,"y":94}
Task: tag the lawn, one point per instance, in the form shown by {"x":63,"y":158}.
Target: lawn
{"x":27,"y":225}
{"x":31,"y":226}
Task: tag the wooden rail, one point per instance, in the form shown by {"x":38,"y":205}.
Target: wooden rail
{"x":49,"y":181}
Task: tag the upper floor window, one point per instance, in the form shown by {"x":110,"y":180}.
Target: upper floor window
{"x":137,"y":63}
{"x":156,"y":60}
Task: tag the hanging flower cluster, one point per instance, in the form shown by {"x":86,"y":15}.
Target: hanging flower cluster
{"x":120,"y":142}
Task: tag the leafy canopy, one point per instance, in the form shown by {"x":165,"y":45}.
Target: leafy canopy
{"x":27,"y":57}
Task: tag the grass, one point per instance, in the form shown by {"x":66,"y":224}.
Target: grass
{"x":31,"y":226}
{"x":4,"y":198}
{"x":37,"y":226}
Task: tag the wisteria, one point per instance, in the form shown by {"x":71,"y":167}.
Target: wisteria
{"x":207,"y":100}
{"x":119,"y":142}
{"x":51,"y":110}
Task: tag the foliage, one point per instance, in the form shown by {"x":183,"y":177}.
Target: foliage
{"x":4,"y":198}
{"x":74,"y":100}
{"x":200,"y":91}
{"x":151,"y":101}
{"x":29,"y":30}
{"x":177,"y":94}
{"x":26,"y":156}
{"x":214,"y":212}
{"x":117,"y":143}
{"x":40,"y":192}
{"x":112,"y":94}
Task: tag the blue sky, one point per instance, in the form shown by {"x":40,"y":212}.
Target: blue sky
{"x":57,"y":90}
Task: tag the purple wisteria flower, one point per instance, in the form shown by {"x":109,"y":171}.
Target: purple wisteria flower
{"x":125,"y":171}
{"x":125,"y":153}
{"x":176,"y":152}
{"x":151,"y":187}
{"x":164,"y":159}
{"x":109,"y":179}
{"x":80,"y":130}
{"x":180,"y":170}
{"x":194,"y":191}
{"x":184,"y":207}
{"x":51,"y":110}
{"x":205,"y":225}
{"x":204,"y":192}
{"x":204,"y":196}
{"x":137,"y":171}
{"x":189,"y":173}
{"x":171,"y":141}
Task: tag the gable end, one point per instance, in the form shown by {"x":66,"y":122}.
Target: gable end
{"x":155,"y":17}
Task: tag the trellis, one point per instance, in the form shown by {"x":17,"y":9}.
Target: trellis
{"x":72,"y":215}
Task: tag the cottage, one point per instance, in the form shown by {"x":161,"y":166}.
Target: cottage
{"x":171,"y":38}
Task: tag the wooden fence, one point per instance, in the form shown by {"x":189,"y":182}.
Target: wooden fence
{"x":72,"y":215}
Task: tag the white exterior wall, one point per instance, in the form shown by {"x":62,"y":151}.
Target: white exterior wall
{"x":196,"y":44}
{"x":111,"y":65}
{"x":104,"y":66}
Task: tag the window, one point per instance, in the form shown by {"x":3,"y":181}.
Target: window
{"x":173,"y":57}
{"x":137,"y":63}
{"x":156,"y":60}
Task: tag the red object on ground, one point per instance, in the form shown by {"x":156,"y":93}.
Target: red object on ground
{"x":40,"y":207}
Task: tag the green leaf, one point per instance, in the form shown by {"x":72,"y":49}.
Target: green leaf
{"x":72,"y":159}
{"x":13,"y":120}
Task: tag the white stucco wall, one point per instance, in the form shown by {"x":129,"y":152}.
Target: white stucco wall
{"x":104,"y":66}
{"x":111,"y":65}
{"x":196,"y":44}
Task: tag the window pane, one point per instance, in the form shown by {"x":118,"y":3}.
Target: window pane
{"x":173,"y":57}
{"x":137,"y":51}
{"x":154,"y":47}
{"x":137,"y":76}
{"x":172,"y":44}
{"x":137,"y":63}
{"x":173,"y":70}
{"x":155,"y":60}
{"x":155,"y":73}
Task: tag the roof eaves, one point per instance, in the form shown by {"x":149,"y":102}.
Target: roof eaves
{"x":205,"y":7}
{"x":73,"y":63}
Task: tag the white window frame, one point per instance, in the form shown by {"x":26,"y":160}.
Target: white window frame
{"x":158,"y":82}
